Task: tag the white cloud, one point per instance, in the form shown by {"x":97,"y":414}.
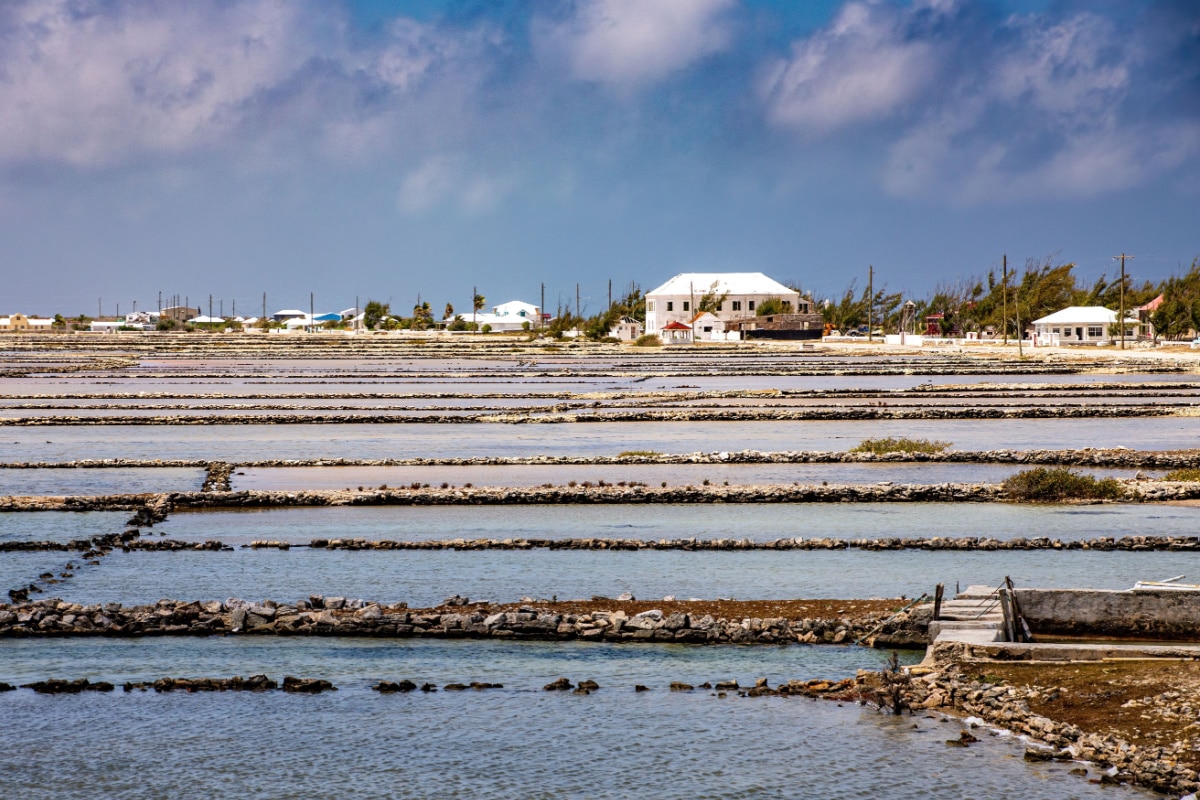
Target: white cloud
{"x":96,"y":84}
{"x":445,"y":180}
{"x":862,"y":68}
{"x":630,"y":43}
{"x":86,"y":86}
{"x":979,"y":110}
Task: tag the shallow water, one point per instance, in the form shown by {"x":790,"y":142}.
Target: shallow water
{"x":754,"y":521}
{"x":514,"y":742}
{"x":107,"y":480}
{"x":430,"y":440}
{"x":58,"y":526}
{"x":425,"y":578}
{"x":300,"y":478}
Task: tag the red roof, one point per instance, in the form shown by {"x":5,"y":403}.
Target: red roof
{"x":676,"y":326}
{"x":1152,"y":305}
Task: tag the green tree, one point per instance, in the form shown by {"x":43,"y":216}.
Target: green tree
{"x":711,"y":301}
{"x":773,"y":305}
{"x":480,"y":302}
{"x":449,"y":312}
{"x":374,"y":312}
{"x":1179,"y":313}
{"x":422,"y":317}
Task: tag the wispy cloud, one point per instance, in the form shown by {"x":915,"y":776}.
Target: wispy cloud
{"x":865,"y":66}
{"x":95,"y":84}
{"x":627,"y":44}
{"x":973,"y":107}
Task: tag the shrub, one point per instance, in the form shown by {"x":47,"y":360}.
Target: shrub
{"x":639,"y":454}
{"x":1184,"y":474}
{"x":648,"y":340}
{"x":901,"y":445}
{"x":1051,"y":485}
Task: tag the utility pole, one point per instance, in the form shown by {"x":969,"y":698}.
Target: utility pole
{"x":577,"y":311}
{"x":357,"y":314}
{"x":99,"y":307}
{"x":870,"y":301}
{"x":1004,"y":313}
{"x":312,"y":323}
{"x":160,"y":303}
{"x":474,"y":305}
{"x":542,"y":308}
{"x":264,"y":316}
{"x":1121,"y":321}
{"x":610,"y":294}
{"x":692,"y":309}
{"x":1020,"y":351}
{"x":210,"y":306}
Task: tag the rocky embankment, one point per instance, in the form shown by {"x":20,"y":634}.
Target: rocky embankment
{"x":335,"y":616}
{"x":154,"y":507}
{"x":1008,"y":707}
{"x":729,"y":414}
{"x":1084,"y":457}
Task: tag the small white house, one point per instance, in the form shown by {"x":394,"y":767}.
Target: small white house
{"x":627,"y":329}
{"x":1081,"y":325}
{"x":707,"y":326}
{"x":741,"y":293}
{"x":504,"y":318}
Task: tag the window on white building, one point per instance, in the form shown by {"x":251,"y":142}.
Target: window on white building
{"x":649,"y":305}
{"x":686,"y":305}
{"x":670,"y":306}
{"x":751,"y":305}
{"x":737,"y":305}
{"x":1095,"y":332}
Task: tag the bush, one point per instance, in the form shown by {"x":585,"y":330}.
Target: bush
{"x":648,"y":340}
{"x":1184,"y":474}
{"x":902,"y":445}
{"x":1043,"y":485}
{"x":639,"y":454}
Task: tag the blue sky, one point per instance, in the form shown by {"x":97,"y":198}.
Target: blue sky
{"x":402,"y":149}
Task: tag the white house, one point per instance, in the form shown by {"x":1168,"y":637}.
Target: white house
{"x":626,"y":329}
{"x":742,"y":293}
{"x":506,"y":317}
{"x":707,"y":326}
{"x":1081,"y":325}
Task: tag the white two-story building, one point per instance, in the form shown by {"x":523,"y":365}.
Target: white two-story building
{"x":740,"y":295}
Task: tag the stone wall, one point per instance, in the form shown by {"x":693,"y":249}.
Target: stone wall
{"x":1165,"y":614}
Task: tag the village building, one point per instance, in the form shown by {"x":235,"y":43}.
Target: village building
{"x":1081,"y":325}
{"x":627,"y":329}
{"x":676,"y":332}
{"x":19,"y":323}
{"x":515,"y":315}
{"x":179,"y":313}
{"x":739,"y":295}
{"x":780,"y":326}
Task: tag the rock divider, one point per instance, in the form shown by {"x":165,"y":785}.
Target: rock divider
{"x":730,"y":414}
{"x":1085,"y":457}
{"x":1008,"y":707}
{"x":1103,"y":543}
{"x":342,"y":617}
{"x":153,"y":508}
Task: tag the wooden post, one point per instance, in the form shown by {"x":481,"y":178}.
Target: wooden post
{"x":937,"y":600}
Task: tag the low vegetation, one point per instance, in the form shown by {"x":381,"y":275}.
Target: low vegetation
{"x":1183,"y":474}
{"x":1058,"y":484}
{"x":901,"y":445}
{"x":639,"y":454}
{"x":648,"y":340}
